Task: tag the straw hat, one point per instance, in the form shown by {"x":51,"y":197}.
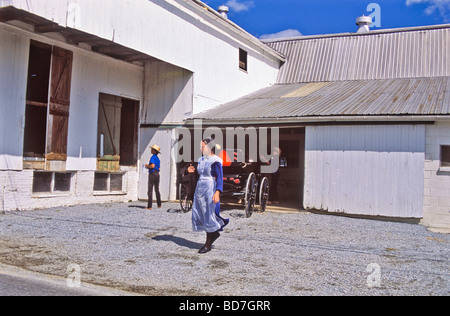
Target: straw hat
{"x":157,"y":148}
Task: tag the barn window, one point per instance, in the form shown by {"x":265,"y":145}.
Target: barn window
{"x":108,"y":182}
{"x":48,"y":101}
{"x":118,"y":126}
{"x":243,"y":59}
{"x":42,"y":182}
{"x":52,"y":182}
{"x":445,"y":156}
{"x":37,"y":100}
{"x":62,"y":182}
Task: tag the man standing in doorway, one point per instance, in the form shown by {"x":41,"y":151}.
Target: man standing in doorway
{"x":154,"y":167}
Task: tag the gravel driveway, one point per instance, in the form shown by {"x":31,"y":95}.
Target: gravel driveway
{"x":155,"y":252}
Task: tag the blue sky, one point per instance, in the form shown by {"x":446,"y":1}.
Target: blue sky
{"x":266,"y":18}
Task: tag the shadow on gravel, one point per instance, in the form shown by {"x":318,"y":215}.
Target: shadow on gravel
{"x":179,"y":241}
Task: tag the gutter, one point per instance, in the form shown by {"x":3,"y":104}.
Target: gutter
{"x":417,"y":119}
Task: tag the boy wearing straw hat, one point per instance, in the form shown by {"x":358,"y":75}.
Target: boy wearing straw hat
{"x":154,"y":168}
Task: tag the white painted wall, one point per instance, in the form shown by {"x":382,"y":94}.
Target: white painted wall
{"x":437,"y":179}
{"x":367,"y":170}
{"x":168,"y":94}
{"x":16,"y":191}
{"x":174,"y":32}
{"x":162,"y":138}
{"x":14,"y":51}
{"x":92,"y":74}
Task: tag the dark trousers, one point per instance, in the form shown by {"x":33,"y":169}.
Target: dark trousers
{"x":153,"y":182}
{"x":273,"y":192}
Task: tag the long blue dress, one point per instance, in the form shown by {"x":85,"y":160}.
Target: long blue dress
{"x":206,"y":214}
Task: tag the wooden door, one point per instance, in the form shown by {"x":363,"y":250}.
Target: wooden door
{"x":58,"y":120}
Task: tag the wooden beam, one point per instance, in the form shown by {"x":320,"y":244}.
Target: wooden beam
{"x":48,"y":28}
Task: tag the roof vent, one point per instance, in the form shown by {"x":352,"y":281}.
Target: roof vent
{"x":364,"y":23}
{"x":223,"y":10}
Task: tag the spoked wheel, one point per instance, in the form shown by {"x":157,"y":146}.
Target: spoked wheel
{"x":250,"y":194}
{"x":263,"y":194}
{"x":185,"y":201}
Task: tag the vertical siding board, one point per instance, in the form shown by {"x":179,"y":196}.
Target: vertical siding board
{"x":369,"y":170}
{"x":14,"y":52}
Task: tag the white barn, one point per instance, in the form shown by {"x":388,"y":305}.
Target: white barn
{"x":76,"y":85}
{"x":364,"y":118}
{"x":365,"y":122}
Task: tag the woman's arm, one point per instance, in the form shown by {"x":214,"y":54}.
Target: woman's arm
{"x":217,"y":173}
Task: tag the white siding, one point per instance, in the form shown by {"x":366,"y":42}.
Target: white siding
{"x":92,"y":74}
{"x":174,"y":32}
{"x":14,"y":51}
{"x":168,"y":93}
{"x":367,"y":170}
{"x":162,"y":138}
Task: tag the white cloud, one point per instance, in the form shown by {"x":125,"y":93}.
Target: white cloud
{"x":283,"y":34}
{"x":442,"y":7}
{"x":240,"y":6}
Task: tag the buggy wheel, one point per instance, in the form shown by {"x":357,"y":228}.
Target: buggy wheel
{"x":250,"y":194}
{"x":185,"y":201}
{"x":263,"y":194}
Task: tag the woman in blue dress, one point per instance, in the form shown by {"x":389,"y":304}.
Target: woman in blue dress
{"x":206,"y":206}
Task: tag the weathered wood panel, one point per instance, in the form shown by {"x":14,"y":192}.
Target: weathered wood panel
{"x":367,"y":170}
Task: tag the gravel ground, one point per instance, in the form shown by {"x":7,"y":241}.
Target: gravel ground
{"x":155,"y":252}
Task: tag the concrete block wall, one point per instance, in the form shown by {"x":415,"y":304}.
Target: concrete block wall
{"x":437,"y":179}
{"x":16,"y":191}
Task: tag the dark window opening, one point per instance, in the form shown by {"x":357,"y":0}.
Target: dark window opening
{"x":42,"y":182}
{"x":62,"y":182}
{"x":243,"y":58}
{"x":445,"y":156}
{"x":108,"y":182}
{"x":118,"y":128}
{"x":37,"y":100}
{"x":129,"y":133}
{"x":116,"y":182}
{"x":47,"y":102}
{"x":101,"y":182}
{"x":51,"y":182}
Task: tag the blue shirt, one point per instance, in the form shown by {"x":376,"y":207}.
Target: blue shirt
{"x":155,"y":161}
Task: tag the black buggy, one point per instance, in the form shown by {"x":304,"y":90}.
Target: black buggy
{"x":241,"y":180}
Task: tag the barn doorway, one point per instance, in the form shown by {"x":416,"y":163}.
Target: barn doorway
{"x":292,"y":173}
{"x":118,"y":121}
{"x":291,"y":180}
{"x":47,"y":103}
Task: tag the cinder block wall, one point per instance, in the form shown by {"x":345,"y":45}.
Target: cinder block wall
{"x":437,"y":179}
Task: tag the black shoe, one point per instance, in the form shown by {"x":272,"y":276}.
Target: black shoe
{"x":204,"y":249}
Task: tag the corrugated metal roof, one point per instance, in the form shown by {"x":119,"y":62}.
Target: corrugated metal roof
{"x":401,"y":53}
{"x":388,"y":97}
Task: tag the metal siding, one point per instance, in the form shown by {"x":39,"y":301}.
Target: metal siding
{"x":366,"y":170}
{"x":414,"y":96}
{"x":379,"y":55}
